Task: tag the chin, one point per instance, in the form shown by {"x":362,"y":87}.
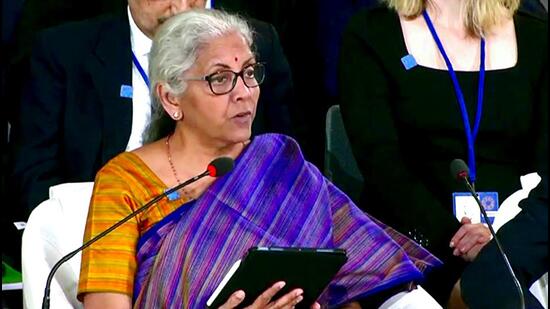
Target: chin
{"x":241,"y":136}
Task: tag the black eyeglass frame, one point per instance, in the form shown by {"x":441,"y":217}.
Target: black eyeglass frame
{"x":208,"y":78}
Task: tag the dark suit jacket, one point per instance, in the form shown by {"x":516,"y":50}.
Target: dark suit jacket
{"x":72,"y":118}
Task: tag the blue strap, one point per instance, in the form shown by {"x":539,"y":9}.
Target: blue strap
{"x":480,"y":86}
{"x":140,"y":69}
{"x":470,"y":135}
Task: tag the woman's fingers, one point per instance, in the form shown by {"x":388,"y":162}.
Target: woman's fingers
{"x":234,"y":300}
{"x":289,"y":300}
{"x":472,"y":253}
{"x":471,"y":235}
{"x":265,"y":298}
{"x":315,"y":305}
{"x":465,"y":221}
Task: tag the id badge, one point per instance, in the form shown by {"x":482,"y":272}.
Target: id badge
{"x":464,"y":205}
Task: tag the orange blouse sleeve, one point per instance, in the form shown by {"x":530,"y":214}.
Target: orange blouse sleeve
{"x":109,"y":264}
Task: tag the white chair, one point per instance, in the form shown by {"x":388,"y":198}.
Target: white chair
{"x":55,"y":228}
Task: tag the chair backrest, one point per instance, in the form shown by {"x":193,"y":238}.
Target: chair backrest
{"x":340,"y":165}
{"x":55,"y":228}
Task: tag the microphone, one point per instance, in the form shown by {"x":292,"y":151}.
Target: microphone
{"x":217,"y":168}
{"x":460,"y":171}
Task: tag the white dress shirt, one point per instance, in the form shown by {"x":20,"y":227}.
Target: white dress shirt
{"x":141,"y":100}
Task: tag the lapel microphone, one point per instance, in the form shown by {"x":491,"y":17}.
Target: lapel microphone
{"x":460,"y":171}
{"x":217,"y":168}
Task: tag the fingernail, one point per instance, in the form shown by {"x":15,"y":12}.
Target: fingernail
{"x":299,"y":299}
{"x":451,"y":244}
{"x":239,"y":294}
{"x":299,"y":292}
{"x":281,"y":285}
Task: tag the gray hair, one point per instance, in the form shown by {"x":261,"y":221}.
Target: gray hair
{"x":175,"y":50}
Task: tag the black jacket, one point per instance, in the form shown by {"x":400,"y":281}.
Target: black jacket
{"x":72,"y":119}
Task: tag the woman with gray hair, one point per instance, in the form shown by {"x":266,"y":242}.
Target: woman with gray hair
{"x":204,"y":82}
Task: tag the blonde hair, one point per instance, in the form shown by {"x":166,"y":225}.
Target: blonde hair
{"x":479,"y":15}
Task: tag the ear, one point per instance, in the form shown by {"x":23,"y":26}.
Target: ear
{"x":169,"y":102}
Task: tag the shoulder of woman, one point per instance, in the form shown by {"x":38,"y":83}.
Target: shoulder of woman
{"x":534,"y":10}
{"x":531,"y":22}
{"x":376,"y":17}
{"x":123,"y":163}
{"x":532,"y":34}
{"x":377,"y":28}
{"x":272,"y":141}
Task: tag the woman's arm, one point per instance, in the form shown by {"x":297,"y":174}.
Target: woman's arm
{"x":109,"y":265}
{"x":107,"y":301}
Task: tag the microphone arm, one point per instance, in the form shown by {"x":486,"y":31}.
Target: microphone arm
{"x":499,"y":247}
{"x":46,"y":299}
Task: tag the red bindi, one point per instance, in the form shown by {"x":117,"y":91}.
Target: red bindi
{"x":236,"y":59}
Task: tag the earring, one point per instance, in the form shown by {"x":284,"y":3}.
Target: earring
{"x":176,"y":115}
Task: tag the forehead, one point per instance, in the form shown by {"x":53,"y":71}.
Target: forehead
{"x":225,"y":49}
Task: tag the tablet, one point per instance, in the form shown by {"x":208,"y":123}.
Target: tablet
{"x":310,"y":269}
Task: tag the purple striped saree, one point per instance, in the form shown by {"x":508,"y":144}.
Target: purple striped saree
{"x":273,"y":197}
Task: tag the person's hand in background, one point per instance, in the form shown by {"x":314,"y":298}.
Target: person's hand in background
{"x":470,"y":239}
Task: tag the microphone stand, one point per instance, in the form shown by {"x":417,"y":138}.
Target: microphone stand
{"x":504,"y":256}
{"x":46,"y":299}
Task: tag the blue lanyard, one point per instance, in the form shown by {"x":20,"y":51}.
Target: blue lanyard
{"x":140,"y":69}
{"x":470,"y":135}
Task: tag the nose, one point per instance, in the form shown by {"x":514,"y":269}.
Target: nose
{"x":241,"y":91}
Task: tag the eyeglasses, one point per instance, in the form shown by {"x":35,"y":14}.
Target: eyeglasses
{"x":223,"y":82}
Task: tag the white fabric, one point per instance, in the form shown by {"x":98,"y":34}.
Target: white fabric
{"x":540,"y":290}
{"x":417,"y":298}
{"x":141,"y":100}
{"x":509,"y":208}
{"x":55,"y":228}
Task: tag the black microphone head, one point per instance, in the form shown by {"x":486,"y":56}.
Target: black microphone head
{"x":220,"y":166}
{"x":459,"y":169}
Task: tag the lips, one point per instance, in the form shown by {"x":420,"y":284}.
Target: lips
{"x":243,"y":119}
{"x":243,"y":115}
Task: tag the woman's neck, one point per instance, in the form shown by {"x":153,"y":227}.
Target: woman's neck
{"x":197,"y":152}
{"x":447,"y":13}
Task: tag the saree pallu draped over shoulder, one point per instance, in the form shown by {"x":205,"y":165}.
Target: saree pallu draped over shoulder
{"x":273,"y":197}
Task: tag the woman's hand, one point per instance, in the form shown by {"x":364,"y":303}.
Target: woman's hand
{"x":264,"y":301}
{"x":470,"y":239}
